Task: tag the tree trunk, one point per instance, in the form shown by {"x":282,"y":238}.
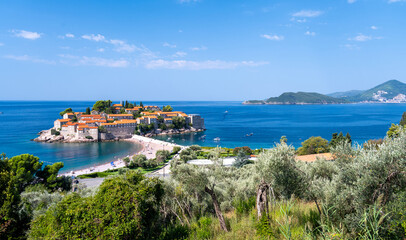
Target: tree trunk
{"x":262,"y":199}
{"x":217,"y":208}
{"x":183,"y":212}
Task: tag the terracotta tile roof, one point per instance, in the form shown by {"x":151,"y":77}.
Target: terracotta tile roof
{"x":117,"y":105}
{"x":63,"y":120}
{"x":120,"y":115}
{"x":85,"y":126}
{"x":313,"y":157}
{"x":125,"y":121}
{"x":91,"y":115}
{"x":69,"y":113}
{"x":108,"y":124}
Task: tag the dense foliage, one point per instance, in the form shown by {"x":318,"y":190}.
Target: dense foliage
{"x":102,"y":106}
{"x":124,"y":207}
{"x":68,"y":110}
{"x":313,"y":145}
{"x":361,"y":194}
{"x":16,"y":174}
{"x":167,"y":108}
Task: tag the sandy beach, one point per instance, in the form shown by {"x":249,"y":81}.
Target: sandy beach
{"x":149,"y":148}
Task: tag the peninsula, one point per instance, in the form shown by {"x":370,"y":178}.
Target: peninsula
{"x":392,"y":91}
{"x":111,"y":122}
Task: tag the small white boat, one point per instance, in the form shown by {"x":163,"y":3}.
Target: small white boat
{"x":217,"y":139}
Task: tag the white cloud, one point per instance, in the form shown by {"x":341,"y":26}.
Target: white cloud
{"x":202,"y":48}
{"x":93,"y":61}
{"x":169,"y":45}
{"x":100,"y":50}
{"x":179,"y":54}
{"x":26,"y":34}
{"x":310,"y":33}
{"x":351,"y":1}
{"x":307,"y":13}
{"x":122,"y":46}
{"x":1,"y":44}
{"x":69,"y":35}
{"x":273,"y":37}
{"x":351,"y":46}
{"x":28,"y":59}
{"x":363,"y":38}
{"x":93,"y":37}
{"x":300,"y":20}
{"x":374,"y":27}
{"x":200,"y":65}
{"x":394,"y":1}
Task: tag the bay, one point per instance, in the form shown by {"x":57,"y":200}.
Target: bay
{"x":20,"y":122}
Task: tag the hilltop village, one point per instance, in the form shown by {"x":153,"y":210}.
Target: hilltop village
{"x":109,"y":122}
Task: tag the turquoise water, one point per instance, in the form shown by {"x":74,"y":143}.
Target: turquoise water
{"x":21,"y":121}
{"x":298,"y":122}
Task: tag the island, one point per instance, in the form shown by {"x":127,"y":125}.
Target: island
{"x":111,"y":122}
{"x":299,"y":98}
{"x":392,"y":91}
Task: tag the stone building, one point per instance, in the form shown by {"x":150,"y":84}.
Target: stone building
{"x":197,"y":121}
{"x":120,"y":116}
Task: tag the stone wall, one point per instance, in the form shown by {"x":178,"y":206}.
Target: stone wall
{"x":121,"y":131}
{"x":93,"y":132}
{"x":197,"y":121}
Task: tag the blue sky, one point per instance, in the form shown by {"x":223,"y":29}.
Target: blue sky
{"x":197,"y":50}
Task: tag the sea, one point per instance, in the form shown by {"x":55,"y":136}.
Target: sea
{"x":228,"y":124}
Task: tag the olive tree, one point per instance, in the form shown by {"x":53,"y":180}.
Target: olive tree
{"x":199,"y":180}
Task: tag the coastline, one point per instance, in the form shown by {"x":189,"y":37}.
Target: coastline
{"x":45,"y":136}
{"x":149,"y":147}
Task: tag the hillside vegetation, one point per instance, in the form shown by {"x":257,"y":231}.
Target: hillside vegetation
{"x":387,"y":90}
{"x":299,"y":98}
{"x":392,"y":87}
{"x":359,"y":195}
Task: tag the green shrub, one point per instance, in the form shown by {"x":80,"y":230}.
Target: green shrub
{"x":175,"y":232}
{"x":138,"y":161}
{"x":89,"y":137}
{"x":244,"y":206}
{"x":263,"y":227}
{"x":55,"y":132}
{"x":313,"y":145}
{"x":176,"y":149}
{"x":125,"y":207}
{"x":246,"y":149}
{"x":203,"y":228}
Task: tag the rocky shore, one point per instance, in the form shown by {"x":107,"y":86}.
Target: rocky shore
{"x":47,"y":137}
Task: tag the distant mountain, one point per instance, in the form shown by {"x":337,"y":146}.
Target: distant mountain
{"x":346,"y":94}
{"x":299,"y":98}
{"x":390,"y":91}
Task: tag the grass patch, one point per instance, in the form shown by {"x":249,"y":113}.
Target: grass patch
{"x":287,"y":220}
